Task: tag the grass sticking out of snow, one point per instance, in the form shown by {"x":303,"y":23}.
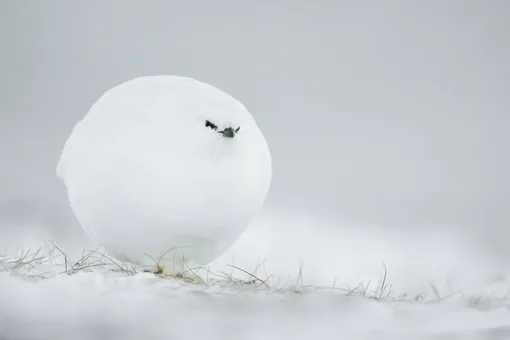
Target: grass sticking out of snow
{"x":50,"y":261}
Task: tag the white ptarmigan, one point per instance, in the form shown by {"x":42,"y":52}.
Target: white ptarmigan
{"x":165,"y":163}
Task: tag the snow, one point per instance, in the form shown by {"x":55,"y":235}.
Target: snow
{"x":146,"y":172}
{"x":90,"y":305}
{"x":288,"y":276}
{"x":103,"y":302}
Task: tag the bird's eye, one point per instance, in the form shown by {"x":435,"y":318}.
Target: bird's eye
{"x":210,"y":125}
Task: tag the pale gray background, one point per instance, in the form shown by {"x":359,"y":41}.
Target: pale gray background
{"x":388,"y":112}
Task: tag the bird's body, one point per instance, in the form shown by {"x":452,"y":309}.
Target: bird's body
{"x":149,"y":169}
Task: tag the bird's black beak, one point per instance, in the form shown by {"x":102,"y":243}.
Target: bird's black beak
{"x":228,"y":132}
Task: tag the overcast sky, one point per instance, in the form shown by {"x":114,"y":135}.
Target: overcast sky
{"x":387,"y":112}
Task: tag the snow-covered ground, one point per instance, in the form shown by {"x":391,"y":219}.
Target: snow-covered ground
{"x":309,"y":279}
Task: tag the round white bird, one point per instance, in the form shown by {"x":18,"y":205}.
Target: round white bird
{"x":166,"y":171}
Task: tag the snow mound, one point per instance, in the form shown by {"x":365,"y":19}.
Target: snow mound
{"x":45,"y":297}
